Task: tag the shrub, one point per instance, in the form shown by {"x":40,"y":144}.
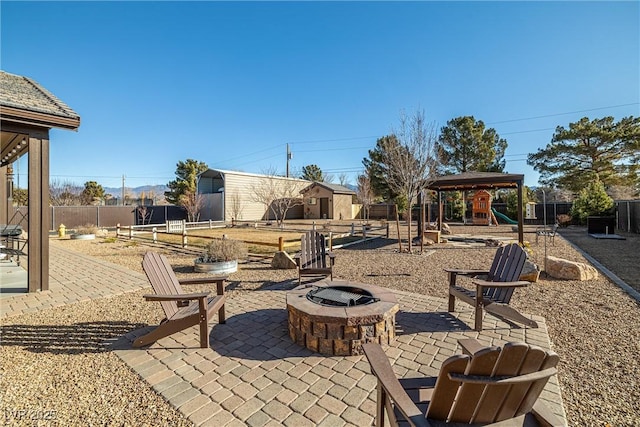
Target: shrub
{"x":592,"y":201}
{"x":87,"y":229}
{"x":564,"y":220}
{"x":223,"y":250}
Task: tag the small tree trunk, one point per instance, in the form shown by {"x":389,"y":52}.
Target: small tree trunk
{"x":398,"y":227}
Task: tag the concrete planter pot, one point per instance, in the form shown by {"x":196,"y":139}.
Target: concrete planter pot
{"x":83,"y":236}
{"x":217,"y":268}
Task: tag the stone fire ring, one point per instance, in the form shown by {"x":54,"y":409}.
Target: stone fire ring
{"x":341,"y":331}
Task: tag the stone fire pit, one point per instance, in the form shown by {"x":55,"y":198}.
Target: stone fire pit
{"x":336,"y":330}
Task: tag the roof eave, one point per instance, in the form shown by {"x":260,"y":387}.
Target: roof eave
{"x":34,"y":118}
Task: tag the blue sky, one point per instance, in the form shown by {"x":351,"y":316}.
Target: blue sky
{"x":231,"y":83}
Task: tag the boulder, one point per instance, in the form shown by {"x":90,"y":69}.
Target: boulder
{"x":530,"y":272}
{"x":283,"y":261}
{"x":570,"y":270}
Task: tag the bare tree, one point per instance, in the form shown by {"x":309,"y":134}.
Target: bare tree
{"x":411,"y":165}
{"x":236,"y":206}
{"x":343,"y":179}
{"x":365,"y":194}
{"x":193,"y":203}
{"x":278,"y":195}
{"x":144,"y":214}
{"x":64,"y":193}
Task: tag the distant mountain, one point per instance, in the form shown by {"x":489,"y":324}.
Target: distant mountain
{"x":158,"y":190}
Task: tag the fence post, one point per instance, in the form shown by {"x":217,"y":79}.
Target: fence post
{"x":364,"y":231}
{"x":155,"y":234}
{"x":387,"y":230}
{"x":210,"y":224}
{"x":184,"y":224}
{"x":331,"y":240}
{"x":166,"y":224}
{"x":130,"y":232}
{"x":117,"y":229}
{"x":280,"y":244}
{"x":313,"y":226}
{"x":184,"y":236}
{"x":98,"y":216}
{"x":353,"y":229}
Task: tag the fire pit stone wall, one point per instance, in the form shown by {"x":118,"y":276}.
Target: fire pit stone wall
{"x":341,"y":331}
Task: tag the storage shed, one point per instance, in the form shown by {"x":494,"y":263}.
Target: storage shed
{"x":231,"y":195}
{"x":323,"y":200}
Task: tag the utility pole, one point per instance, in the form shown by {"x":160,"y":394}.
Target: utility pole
{"x":289,"y":157}
{"x":122,"y":189}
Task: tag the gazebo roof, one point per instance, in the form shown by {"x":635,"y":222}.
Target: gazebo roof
{"x":24,"y":102}
{"x":476,"y":181}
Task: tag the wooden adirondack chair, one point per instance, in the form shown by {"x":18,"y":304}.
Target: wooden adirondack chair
{"x":312,"y":259}
{"x":486,"y":386}
{"x":494,"y":287}
{"x":183,"y":310}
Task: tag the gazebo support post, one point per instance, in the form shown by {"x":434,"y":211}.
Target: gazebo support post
{"x":38,"y":210}
{"x":520,"y":215}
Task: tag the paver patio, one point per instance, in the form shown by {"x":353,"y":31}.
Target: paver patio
{"x":253,"y":374}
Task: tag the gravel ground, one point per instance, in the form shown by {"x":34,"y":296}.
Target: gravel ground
{"x":593,"y":325}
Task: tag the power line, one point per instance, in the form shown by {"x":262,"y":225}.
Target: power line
{"x":562,"y":114}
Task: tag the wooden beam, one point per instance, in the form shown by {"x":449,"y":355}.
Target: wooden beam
{"x":38,"y":210}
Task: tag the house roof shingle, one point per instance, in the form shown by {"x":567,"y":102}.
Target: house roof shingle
{"x":19,"y":94}
{"x":335,"y":188}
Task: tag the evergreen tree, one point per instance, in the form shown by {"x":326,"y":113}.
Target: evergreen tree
{"x":185,"y":182}
{"x":92,"y":192}
{"x":312,"y":173}
{"x":592,"y":200}
{"x":600,"y":149}
{"x":465,"y":145}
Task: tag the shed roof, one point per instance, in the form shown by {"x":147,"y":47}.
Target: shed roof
{"x":23,"y":100}
{"x":476,"y":181}
{"x":218,"y":173}
{"x":334,"y":188}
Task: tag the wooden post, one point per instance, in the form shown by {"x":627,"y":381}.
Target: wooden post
{"x":422,"y":223}
{"x":130,"y":232}
{"x":155,"y":235}
{"x":330,"y":240}
{"x":280,"y":244}
{"x":184,"y":236}
{"x":117,"y":230}
{"x":398,"y":227}
{"x":353,"y":229}
{"x":210,"y":224}
{"x":166,"y":224}
{"x":313,"y":226}
{"x":364,"y":231}
{"x":387,"y":230}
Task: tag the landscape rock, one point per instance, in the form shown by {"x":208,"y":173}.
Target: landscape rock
{"x":570,"y":270}
{"x":283,"y":261}
{"x":530,"y":272}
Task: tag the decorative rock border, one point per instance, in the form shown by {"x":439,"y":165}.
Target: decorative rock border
{"x":341,"y":331}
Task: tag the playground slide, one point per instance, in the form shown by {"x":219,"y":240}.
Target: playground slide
{"x":503,"y":217}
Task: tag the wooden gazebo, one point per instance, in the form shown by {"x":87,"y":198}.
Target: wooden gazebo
{"x":472,"y":181}
{"x":27,"y":113}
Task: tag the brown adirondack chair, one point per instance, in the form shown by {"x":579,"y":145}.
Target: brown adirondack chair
{"x":486,"y":386}
{"x":312,"y":259}
{"x":182,"y":310}
{"x":494,"y":287}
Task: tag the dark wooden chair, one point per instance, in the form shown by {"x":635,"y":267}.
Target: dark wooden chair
{"x":548,"y":232}
{"x":313,"y":256}
{"x":486,"y":386}
{"x":182,"y":310}
{"x":494,"y":287}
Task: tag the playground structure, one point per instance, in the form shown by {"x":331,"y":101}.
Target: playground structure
{"x":481,"y":212}
{"x":495,"y":213}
